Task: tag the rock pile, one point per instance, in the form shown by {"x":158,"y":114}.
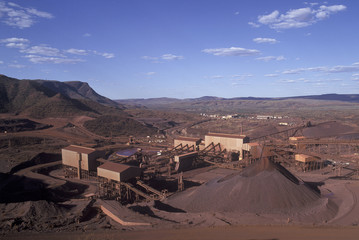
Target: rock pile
{"x":265,"y":187}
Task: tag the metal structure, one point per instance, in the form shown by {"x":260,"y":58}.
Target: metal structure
{"x":191,"y":142}
{"x":143,"y":181}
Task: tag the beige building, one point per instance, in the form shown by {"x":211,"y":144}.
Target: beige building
{"x":305,"y":158}
{"x":187,"y":141}
{"x":231,"y":142}
{"x":118,"y":172}
{"x":75,"y":156}
{"x":297,"y":138}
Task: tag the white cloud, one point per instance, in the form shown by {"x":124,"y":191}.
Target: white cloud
{"x":240,"y":78}
{"x":338,"y":69}
{"x":294,"y":71}
{"x":46,"y":59}
{"x":54,"y":52}
{"x":150,"y":73}
{"x":42,"y":50}
{"x":14,"y":40}
{"x":270,"y":58}
{"x":105,"y":55}
{"x":311,"y":3}
{"x":270,"y":18}
{"x":48,"y":54}
{"x":87,"y":35}
{"x":287,"y":81}
{"x":355,"y":77}
{"x":166,"y":57}
{"x":271,"y":75}
{"x":16,"y":45}
{"x":108,"y":55}
{"x":232,"y":51}
{"x":298,"y":18}
{"x":16,"y":65}
{"x":265,"y":40}
{"x":1,"y":62}
{"x":335,"y":69}
{"x":236,"y":13}
{"x":39,"y":13}
{"x":300,"y":80}
{"x":216,"y":77}
{"x":324,"y":11}
{"x":17,"y":16}
{"x":255,"y":25}
{"x":236,"y":84}
{"x":149,"y":58}
{"x":171,"y":57}
{"x":77,"y":51}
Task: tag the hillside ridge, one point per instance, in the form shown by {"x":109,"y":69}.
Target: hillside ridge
{"x":43,"y":98}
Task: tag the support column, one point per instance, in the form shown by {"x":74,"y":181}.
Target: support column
{"x":180,"y":182}
{"x":79,"y":166}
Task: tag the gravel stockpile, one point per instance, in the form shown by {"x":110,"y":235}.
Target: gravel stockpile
{"x":264,"y":187}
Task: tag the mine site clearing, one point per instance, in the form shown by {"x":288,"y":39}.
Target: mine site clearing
{"x":220,"y":179}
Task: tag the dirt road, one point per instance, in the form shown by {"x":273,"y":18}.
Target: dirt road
{"x":350,"y":217}
{"x":231,"y":232}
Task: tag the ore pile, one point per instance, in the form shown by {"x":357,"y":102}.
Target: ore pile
{"x":264,"y":187}
{"x":32,"y":215}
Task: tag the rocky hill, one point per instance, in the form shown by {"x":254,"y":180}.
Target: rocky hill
{"x":40,"y":98}
{"x":78,"y":90}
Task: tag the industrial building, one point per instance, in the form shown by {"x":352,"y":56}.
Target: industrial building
{"x":230,"y":142}
{"x":251,"y":150}
{"x":297,"y":142}
{"x":122,"y":182}
{"x":118,"y":172}
{"x":79,"y":161}
{"x":297,"y":138}
{"x":307,"y":162}
{"x":305,"y":158}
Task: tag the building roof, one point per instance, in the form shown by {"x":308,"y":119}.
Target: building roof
{"x":297,"y":138}
{"x":127,"y":152}
{"x":115,"y":167}
{"x":80,"y":149}
{"x":226,"y":135}
{"x":188,"y":139}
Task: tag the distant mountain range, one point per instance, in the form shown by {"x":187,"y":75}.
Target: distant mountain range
{"x":41,"y":98}
{"x":331,"y":97}
{"x":247,"y":104}
{"x":165,"y":100}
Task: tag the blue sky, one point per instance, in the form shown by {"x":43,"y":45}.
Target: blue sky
{"x":185,"y":49}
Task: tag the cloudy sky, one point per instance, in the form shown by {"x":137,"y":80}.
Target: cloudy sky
{"x":183,"y":48}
